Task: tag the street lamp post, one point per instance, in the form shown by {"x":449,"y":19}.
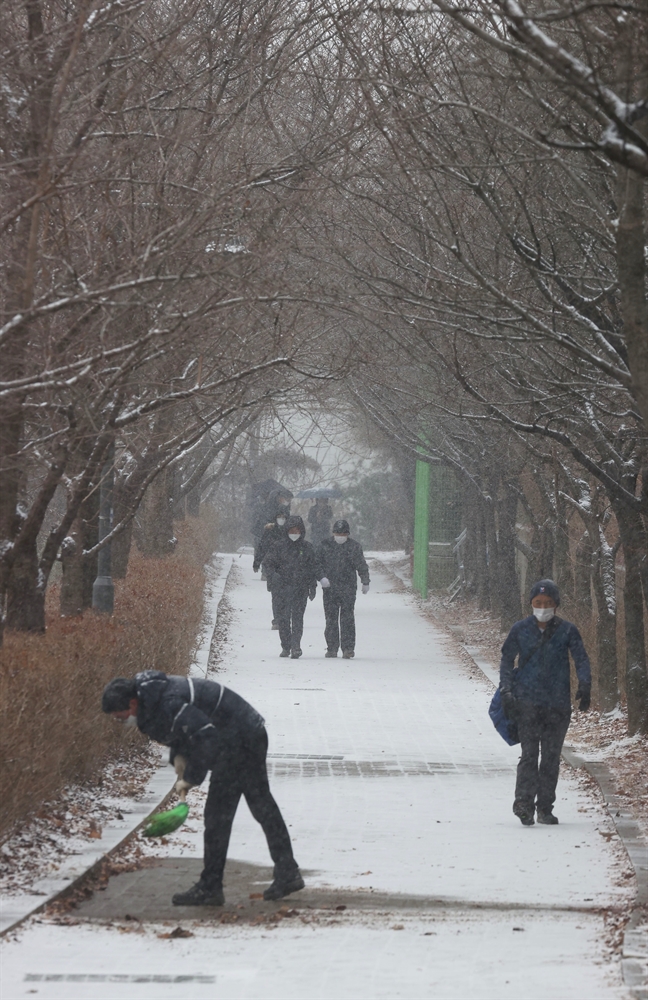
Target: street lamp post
{"x":103,"y":590}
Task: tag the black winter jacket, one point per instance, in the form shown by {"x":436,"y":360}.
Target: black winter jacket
{"x":291,"y":565}
{"x":543,"y":677}
{"x":273,"y":533}
{"x":340,"y":563}
{"x":268,"y":512}
{"x":319,"y":518}
{"x":196,"y":718}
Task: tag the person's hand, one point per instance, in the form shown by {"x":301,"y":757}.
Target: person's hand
{"x":179,"y":763}
{"x":182,"y":787}
{"x":583,"y":696}
{"x":311,"y":593}
{"x":325,"y":582}
{"x":509,"y":704}
{"x":365,"y":588}
{"x":255,"y":567}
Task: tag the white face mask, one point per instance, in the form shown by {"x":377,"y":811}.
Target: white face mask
{"x":294,"y":538}
{"x":130,"y":722}
{"x":281,"y":521}
{"x":544,"y":614}
{"x":340,"y":539}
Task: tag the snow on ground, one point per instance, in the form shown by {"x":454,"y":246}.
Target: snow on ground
{"x":391,"y":779}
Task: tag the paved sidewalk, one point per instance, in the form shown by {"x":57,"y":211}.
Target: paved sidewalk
{"x":398,"y":794}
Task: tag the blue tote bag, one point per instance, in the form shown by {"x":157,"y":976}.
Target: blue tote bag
{"x":505,"y":727}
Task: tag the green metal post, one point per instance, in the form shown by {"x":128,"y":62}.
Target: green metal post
{"x":421,"y":528}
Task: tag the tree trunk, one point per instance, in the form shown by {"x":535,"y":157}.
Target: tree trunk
{"x":25,"y":599}
{"x":193,"y":503}
{"x":155,"y":537}
{"x":604,"y":584}
{"x":71,"y":593}
{"x":474,"y":550}
{"x":508,"y":583}
{"x":12,"y":363}
{"x":563,"y":569}
{"x":121,"y":543}
{"x":631,"y":264}
{"x":121,"y":547}
{"x":583,"y":576}
{"x":495,"y":596}
{"x":79,"y":572}
{"x":481,"y":557}
{"x":636,"y":677}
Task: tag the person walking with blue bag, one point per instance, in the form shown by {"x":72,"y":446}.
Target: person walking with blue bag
{"x":536,"y":697}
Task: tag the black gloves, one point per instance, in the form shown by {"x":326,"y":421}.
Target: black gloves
{"x":255,"y":566}
{"x":583,"y":696}
{"x":312,"y":592}
{"x":509,"y":704}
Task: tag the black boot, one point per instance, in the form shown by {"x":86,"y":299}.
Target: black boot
{"x":284,"y":652}
{"x":524,"y":813}
{"x":547,"y":817}
{"x":285,"y":882}
{"x":200,"y":895}
{"x":332,"y":653}
{"x":296,"y":653}
{"x":348,"y":654}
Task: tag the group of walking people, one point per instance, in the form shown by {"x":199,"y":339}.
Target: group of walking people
{"x":293,"y":567}
{"x":211,"y":728}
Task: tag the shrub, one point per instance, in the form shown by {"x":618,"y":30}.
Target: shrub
{"x":52,"y":730}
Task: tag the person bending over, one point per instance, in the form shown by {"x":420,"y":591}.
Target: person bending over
{"x":208,"y":727}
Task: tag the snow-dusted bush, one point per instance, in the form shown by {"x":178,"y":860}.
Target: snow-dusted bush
{"x":52,"y":730}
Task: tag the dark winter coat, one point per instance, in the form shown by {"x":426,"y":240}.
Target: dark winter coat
{"x":196,"y":718}
{"x":340,"y":564}
{"x":273,"y":533}
{"x":319,"y":518}
{"x":543,"y":677}
{"x":268,"y":512}
{"x":291,"y":565}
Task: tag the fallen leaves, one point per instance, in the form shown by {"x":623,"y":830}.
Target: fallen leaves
{"x":178,"y":932}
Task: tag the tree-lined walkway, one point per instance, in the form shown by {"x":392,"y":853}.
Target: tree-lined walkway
{"x":398,"y":794}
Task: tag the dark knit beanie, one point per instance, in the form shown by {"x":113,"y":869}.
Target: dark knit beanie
{"x":547,"y":587}
{"x":117,"y":695}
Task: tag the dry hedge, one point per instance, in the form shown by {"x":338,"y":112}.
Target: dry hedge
{"x":52,"y":730}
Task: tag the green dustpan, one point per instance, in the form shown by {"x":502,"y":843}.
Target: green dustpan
{"x":166,"y":822}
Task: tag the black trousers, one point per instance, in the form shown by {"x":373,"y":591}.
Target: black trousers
{"x":289,"y":604}
{"x":242,"y":771}
{"x":340,"y":619}
{"x":542,"y":733}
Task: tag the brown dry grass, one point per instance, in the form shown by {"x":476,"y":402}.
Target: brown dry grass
{"x":52,"y":730}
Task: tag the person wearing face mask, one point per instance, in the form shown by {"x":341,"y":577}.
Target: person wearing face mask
{"x":536,"y":695}
{"x":208,"y":727}
{"x":341,"y":560}
{"x":319,"y":517}
{"x":291,"y":568}
{"x":272,"y":533}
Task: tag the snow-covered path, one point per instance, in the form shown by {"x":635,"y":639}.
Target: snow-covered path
{"x":393,"y":781}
